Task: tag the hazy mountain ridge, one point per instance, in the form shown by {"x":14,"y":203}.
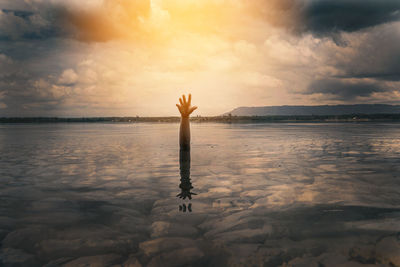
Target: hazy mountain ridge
{"x":315,"y":110}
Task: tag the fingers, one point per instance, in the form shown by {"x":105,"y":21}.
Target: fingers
{"x":179,"y":108}
{"x":192,"y":109}
{"x":184,"y":106}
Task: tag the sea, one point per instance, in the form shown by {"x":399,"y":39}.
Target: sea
{"x":261,"y":194}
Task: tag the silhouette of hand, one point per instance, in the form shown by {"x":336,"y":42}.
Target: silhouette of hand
{"x":185,"y":108}
{"x":185,"y":194}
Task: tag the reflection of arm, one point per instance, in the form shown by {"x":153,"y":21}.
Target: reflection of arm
{"x":184,"y":133}
{"x":184,"y":166}
{"x":185,"y":109}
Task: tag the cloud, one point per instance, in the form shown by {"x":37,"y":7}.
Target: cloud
{"x":104,"y":21}
{"x":68,"y":77}
{"x":103,"y":57}
{"x":324,"y":17}
{"x":17,"y":25}
{"x":99,"y":21}
{"x":374,"y":54}
{"x":343,"y":89}
{"x":113,"y":19}
{"x":29,"y":84}
{"x":327,"y":17}
{"x":2,"y":95}
{"x":5,"y":62}
{"x":367,"y":68}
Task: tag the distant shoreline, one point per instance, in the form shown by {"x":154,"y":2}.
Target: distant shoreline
{"x":221,"y":119}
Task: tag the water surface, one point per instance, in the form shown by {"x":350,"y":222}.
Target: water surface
{"x":267,"y":195}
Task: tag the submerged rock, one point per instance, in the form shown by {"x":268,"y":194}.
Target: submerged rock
{"x":253,"y":194}
{"x":232,"y":203}
{"x":178,"y":257}
{"x":388,"y":250}
{"x":10,"y":257}
{"x":58,"y":262}
{"x":52,"y":204}
{"x":132,"y":224}
{"x":363,"y":253}
{"x":192,"y":218}
{"x":54,"y":218}
{"x":55,"y":248}
{"x":162,"y":228}
{"x":250,"y":222}
{"x":95,"y":261}
{"x":26,"y":238}
{"x":245,"y":235}
{"x":243,"y":250}
{"x":386,"y":224}
{"x":164,"y":244}
{"x":332,"y":259}
{"x":132,"y":261}
{"x":302,"y":262}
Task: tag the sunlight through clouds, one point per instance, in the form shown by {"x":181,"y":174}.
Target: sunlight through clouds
{"x":121,"y":58}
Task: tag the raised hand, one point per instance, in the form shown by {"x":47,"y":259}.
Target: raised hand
{"x":185,"y":107}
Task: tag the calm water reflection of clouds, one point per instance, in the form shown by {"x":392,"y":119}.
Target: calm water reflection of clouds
{"x":268,"y":194}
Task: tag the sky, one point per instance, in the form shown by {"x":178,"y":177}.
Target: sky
{"x":136,"y":57}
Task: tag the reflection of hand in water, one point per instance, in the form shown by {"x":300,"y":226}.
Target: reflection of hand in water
{"x":186,"y":184}
{"x":183,"y":207}
{"x":186,"y":194}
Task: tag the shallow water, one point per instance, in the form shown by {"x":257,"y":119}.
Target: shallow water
{"x":267,"y":195}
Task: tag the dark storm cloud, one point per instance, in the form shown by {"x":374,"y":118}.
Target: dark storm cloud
{"x":21,"y":89}
{"x":376,"y":56}
{"x":29,"y":74}
{"x":370,"y":64}
{"x":388,"y":75}
{"x":51,"y":22}
{"x":383,"y":67}
{"x":325,"y":16}
{"x":19,"y":25}
{"x":328,"y":17}
{"x":343,"y":89}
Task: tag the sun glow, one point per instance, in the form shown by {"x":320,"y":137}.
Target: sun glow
{"x":174,"y":45}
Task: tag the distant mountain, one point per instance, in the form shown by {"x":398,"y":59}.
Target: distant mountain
{"x":315,"y":110}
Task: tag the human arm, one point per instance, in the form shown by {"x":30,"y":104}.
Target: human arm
{"x":185,"y":109}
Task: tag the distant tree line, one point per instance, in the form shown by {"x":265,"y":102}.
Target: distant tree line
{"x":226,"y":119}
